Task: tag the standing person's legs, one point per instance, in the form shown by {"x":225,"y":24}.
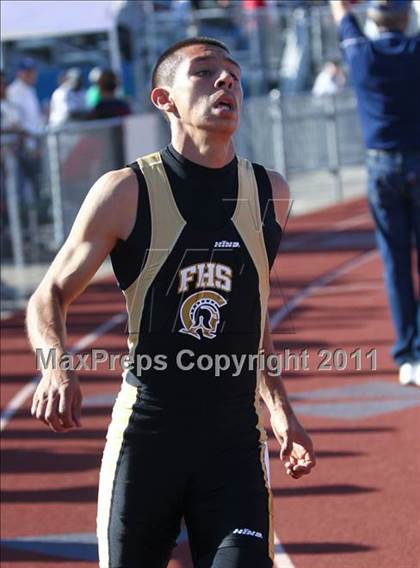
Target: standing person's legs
{"x":390,"y":208}
{"x":30,"y":164}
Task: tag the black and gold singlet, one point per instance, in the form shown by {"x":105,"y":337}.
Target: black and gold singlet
{"x":195,"y":275}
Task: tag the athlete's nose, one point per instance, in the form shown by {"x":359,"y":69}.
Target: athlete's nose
{"x":225,"y":79}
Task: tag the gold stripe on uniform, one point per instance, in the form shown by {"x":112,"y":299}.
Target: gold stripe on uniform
{"x":166,"y":226}
{"x":248,"y":209}
{"x":247,"y":220}
{"x":265,"y":462}
{"x":120,"y":418}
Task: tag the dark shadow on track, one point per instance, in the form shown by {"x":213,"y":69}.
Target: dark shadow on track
{"x":315,"y":490}
{"x":84,"y":494}
{"x":326,"y":548}
{"x":42,"y":461}
{"x":68,"y":552}
{"x":45,"y":434}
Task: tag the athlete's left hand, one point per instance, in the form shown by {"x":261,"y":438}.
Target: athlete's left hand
{"x":297,"y":452}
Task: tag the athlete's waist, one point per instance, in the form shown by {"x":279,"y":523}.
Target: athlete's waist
{"x":218,"y":417}
{"x":192,"y":391}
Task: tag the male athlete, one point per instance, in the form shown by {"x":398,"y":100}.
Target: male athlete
{"x":192,"y":234}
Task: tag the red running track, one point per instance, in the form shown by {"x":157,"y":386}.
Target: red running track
{"x":359,"y":507}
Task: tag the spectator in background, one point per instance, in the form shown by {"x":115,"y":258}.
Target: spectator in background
{"x":330,"y":81}
{"x":23,"y":95}
{"x":385,"y":73}
{"x":109,"y":105}
{"x":10,"y":128}
{"x":10,"y":119}
{"x":68,"y":100}
{"x":92,"y":94}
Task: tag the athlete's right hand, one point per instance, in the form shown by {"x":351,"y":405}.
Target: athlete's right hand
{"x":58,"y":400}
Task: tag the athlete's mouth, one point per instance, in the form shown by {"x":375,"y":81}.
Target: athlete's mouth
{"x":225,"y":102}
{"x":224,"y":105}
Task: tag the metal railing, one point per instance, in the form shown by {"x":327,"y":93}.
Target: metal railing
{"x":36,"y":221}
{"x":78,"y":155}
{"x":301,"y":133}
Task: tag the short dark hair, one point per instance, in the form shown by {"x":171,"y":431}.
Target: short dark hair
{"x":165,"y":67}
{"x":107,"y":80}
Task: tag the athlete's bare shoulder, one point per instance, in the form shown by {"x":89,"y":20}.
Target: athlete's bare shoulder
{"x":281,"y":196}
{"x":116,"y":185}
{"x":117,"y":190}
{"x":279,"y":185}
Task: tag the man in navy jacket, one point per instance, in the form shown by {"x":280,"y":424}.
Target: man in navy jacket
{"x":385,"y":73}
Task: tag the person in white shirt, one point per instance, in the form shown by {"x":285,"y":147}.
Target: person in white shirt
{"x":22,"y":94}
{"x":9,"y":114}
{"x":11,"y":140}
{"x":68,"y":101}
{"x":330,"y":81}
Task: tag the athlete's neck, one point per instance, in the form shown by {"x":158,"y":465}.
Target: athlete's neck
{"x":207,"y":151}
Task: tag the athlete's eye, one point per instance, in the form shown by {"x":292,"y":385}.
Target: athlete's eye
{"x":203,"y":73}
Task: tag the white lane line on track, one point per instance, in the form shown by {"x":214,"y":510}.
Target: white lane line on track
{"x":347,"y":288}
{"x":299,"y":240}
{"x":353,"y":221}
{"x":314,"y":286}
{"x":26,"y":391}
{"x":281,"y":558}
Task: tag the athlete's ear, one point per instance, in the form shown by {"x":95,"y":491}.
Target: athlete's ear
{"x":162,"y":100}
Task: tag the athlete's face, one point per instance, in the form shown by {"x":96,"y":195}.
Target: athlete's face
{"x":207,"y":92}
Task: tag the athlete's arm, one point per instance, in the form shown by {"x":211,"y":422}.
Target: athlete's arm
{"x":281,"y":197}
{"x":339,"y":8}
{"x":106,"y":215}
{"x":297,"y":453}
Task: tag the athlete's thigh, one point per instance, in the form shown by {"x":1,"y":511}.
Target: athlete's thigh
{"x":229,"y":511}
{"x":140,"y":494}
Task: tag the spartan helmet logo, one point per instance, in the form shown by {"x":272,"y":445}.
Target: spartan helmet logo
{"x":200,"y":311}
